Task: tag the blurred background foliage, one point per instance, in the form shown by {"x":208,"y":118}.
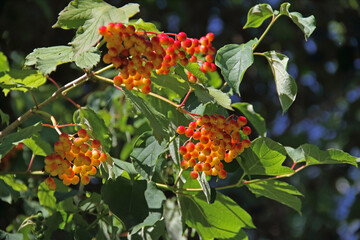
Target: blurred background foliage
{"x":326,"y":111}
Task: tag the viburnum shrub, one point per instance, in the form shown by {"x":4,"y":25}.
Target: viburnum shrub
{"x":157,"y":119}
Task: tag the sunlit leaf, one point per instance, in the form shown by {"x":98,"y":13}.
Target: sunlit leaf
{"x":4,"y":64}
{"x":254,"y":118}
{"x":285,"y":84}
{"x":306,"y":24}
{"x":258,"y":14}
{"x":38,"y":146}
{"x":264,"y":157}
{"x":234,"y":60}
{"x":278,"y":191}
{"x":147,"y":26}
{"x":221,"y":220}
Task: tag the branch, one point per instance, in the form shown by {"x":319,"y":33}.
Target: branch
{"x":60,"y":92}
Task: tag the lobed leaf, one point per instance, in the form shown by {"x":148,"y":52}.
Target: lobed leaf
{"x":234,"y":60}
{"x":307,"y":24}
{"x":11,"y":140}
{"x":221,"y":220}
{"x":258,"y":14}
{"x":147,"y":26}
{"x":92,"y":15}
{"x":285,"y":84}
{"x":21,"y":80}
{"x":254,"y":118}
{"x":158,"y":121}
{"x":278,"y":191}
{"x":264,"y":157}
{"x":38,"y":146}
{"x":146,"y":154}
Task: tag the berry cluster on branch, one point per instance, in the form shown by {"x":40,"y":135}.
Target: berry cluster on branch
{"x":135,"y":53}
{"x":74,"y":159}
{"x":213,"y":139}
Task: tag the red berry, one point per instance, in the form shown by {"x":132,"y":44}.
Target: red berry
{"x":184,"y":164}
{"x":198,"y":167}
{"x":210,"y":36}
{"x":189,"y":132}
{"x":82,"y":133}
{"x":242,"y":121}
{"x":245,"y":143}
{"x":222,"y":174}
{"x":182,"y":150}
{"x":181,"y":36}
{"x":246,"y":130}
{"x":192,"y":125}
{"x":181,"y":130}
{"x":190,"y":146}
{"x":186,"y":44}
{"x":95,"y":143}
{"x":194,"y":175}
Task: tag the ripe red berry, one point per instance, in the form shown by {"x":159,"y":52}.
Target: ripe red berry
{"x":210,"y":36}
{"x":95,"y":143}
{"x":182,"y":150}
{"x":222,"y":174}
{"x":245,"y":143}
{"x":82,"y":133}
{"x":192,"y":125}
{"x":246,"y":130}
{"x":181,"y":36}
{"x":184,"y":164}
{"x":181,"y":130}
{"x":242,"y":121}
{"x":186,"y":43}
{"x":189,"y":132}
{"x":198,"y":167}
{"x":194,"y":175}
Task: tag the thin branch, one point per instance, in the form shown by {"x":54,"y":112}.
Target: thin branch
{"x":31,"y":162}
{"x":32,"y":110}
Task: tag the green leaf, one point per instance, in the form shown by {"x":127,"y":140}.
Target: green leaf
{"x":4,"y":117}
{"x":307,"y":24}
{"x":95,"y":124}
{"x":221,"y":220}
{"x":257,"y":15}
{"x":146,"y":154}
{"x":11,"y":140}
{"x":278,"y":191}
{"x":38,"y":146}
{"x":88,"y":59}
{"x":147,"y":26}
{"x":21,"y":80}
{"x":265,"y":157}
{"x":154,"y":199}
{"x":10,"y":188}
{"x":10,"y":236}
{"x":158,"y":122}
{"x":126,"y":166}
{"x":209,"y":192}
{"x":48,"y":58}
{"x":194,"y":68}
{"x":128,"y":201}
{"x":206,"y":95}
{"x":88,"y":16}
{"x":234,"y":60}
{"x":171,"y":83}
{"x":4,"y":64}
{"x":297,"y":155}
{"x":46,"y":197}
{"x":254,"y":118}
{"x":285,"y":84}
{"x":314,"y":156}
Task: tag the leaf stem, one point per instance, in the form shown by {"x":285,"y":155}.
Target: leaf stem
{"x":178,"y":177}
{"x":103,"y":69}
{"x":266,"y":31}
{"x":31,"y":111}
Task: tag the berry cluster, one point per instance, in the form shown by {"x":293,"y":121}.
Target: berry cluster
{"x":216,"y":139}
{"x":73,"y":157}
{"x":136,"y":53}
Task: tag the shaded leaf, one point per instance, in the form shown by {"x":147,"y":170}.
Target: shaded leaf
{"x":128,"y":201}
{"x":21,"y":80}
{"x":4,"y":64}
{"x":38,"y":146}
{"x":285,"y":84}
{"x":126,"y":166}
{"x":234,"y":60}
{"x":96,"y":125}
{"x":10,"y":236}
{"x":254,"y":118}
{"x":209,"y":192}
{"x":264,"y":157}
{"x":221,"y":220}
{"x":146,"y":154}
{"x":258,"y":14}
{"x":11,"y":140}
{"x":4,"y":117}
{"x":10,"y":188}
{"x":307,"y":24}
{"x":158,"y":122}
{"x":278,"y":191}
